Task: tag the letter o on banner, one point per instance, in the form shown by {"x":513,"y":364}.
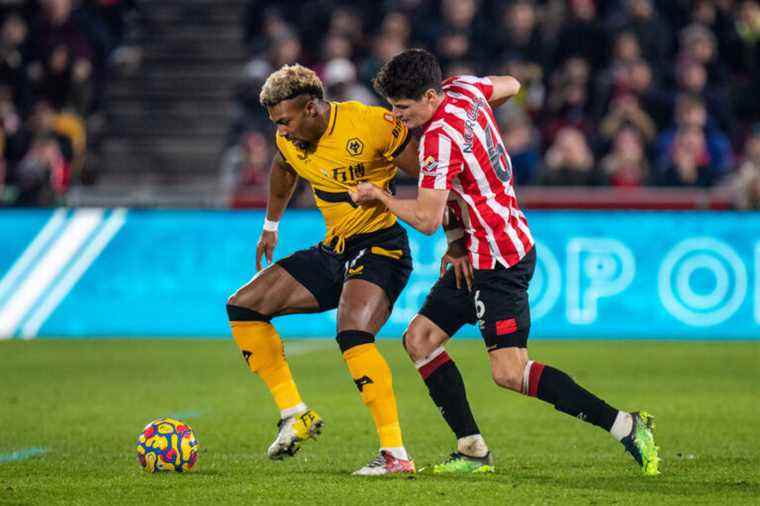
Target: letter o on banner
{"x":677,"y":272}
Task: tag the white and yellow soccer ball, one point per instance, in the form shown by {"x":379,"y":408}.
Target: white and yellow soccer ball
{"x":167,"y":444}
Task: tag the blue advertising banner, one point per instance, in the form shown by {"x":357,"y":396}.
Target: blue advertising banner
{"x":83,"y":273}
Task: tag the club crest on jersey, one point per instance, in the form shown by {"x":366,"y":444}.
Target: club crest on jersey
{"x":354,"y":146}
{"x":430,"y":165}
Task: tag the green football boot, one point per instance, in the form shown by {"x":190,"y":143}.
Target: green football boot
{"x":640,"y":443}
{"x":464,"y":464}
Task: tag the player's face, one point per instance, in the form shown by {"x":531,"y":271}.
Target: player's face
{"x":414,"y":113}
{"x":296,"y":120}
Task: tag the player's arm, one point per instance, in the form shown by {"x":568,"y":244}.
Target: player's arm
{"x":407,"y":160}
{"x":504,"y":88}
{"x":456,"y":253}
{"x":424,"y":214}
{"x":282,"y":183}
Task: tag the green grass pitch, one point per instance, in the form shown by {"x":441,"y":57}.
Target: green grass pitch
{"x":84,"y":402}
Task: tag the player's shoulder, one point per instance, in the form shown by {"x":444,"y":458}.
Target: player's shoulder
{"x":360,"y":112}
{"x":470,"y":86}
{"x":436,"y":132}
{"x":464,"y":79}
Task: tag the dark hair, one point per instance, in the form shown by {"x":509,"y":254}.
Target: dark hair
{"x":409,"y":74}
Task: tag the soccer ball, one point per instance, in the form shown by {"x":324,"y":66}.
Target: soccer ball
{"x":167,"y":444}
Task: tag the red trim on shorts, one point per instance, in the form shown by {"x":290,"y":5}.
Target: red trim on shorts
{"x":429,"y":368}
{"x":534,"y":376}
{"x":506,"y":327}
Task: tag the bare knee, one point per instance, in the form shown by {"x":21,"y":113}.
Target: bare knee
{"x":249,"y":296}
{"x":509,"y":379}
{"x":508,"y":367}
{"x":421,"y":339}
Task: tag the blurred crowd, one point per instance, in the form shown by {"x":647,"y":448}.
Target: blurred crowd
{"x":55,"y":58}
{"x":619,"y":93}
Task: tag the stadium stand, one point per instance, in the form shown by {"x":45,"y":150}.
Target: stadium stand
{"x":621,"y":96}
{"x":56,"y":60}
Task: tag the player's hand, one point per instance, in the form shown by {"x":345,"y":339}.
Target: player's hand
{"x":265,"y":247}
{"x":365,"y":193}
{"x":456,"y":256}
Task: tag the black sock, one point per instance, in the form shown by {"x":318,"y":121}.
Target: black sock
{"x":446,"y":388}
{"x":559,"y":389}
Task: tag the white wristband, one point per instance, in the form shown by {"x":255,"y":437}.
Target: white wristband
{"x":271,"y":226}
{"x":454,"y":234}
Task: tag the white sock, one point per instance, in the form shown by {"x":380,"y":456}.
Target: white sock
{"x":473,"y":446}
{"x":623,"y":425}
{"x":295,"y":410}
{"x":398,"y":452}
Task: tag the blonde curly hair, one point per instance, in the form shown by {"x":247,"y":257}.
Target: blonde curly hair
{"x":289,"y":82}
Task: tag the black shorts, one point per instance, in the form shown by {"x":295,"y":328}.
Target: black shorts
{"x":498,"y":303}
{"x":381,"y":257}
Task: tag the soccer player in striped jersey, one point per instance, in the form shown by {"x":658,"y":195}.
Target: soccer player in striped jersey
{"x":465,"y":167}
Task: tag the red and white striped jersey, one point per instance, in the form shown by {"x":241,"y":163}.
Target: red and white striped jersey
{"x":461,"y":150}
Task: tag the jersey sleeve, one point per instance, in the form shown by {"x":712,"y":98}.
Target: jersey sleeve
{"x":472,"y":83}
{"x":391,"y":134}
{"x":440,"y":161}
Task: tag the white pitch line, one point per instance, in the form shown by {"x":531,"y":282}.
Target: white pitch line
{"x":78,"y":229}
{"x":75,"y":272}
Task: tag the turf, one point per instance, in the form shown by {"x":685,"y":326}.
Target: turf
{"x":84,"y":402}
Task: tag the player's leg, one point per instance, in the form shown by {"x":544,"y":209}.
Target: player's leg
{"x":272,"y":292}
{"x":374,"y":278}
{"x":363,"y":309}
{"x":512,"y":369}
{"x":445,"y":310}
{"x":502,"y":298}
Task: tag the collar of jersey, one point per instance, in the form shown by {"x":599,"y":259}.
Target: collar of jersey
{"x":333,"y":119}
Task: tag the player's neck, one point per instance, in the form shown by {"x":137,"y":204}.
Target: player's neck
{"x":324,"y":117}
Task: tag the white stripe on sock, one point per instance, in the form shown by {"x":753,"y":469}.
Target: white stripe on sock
{"x":425,"y":361}
{"x":622,"y":426}
{"x":526,"y":377}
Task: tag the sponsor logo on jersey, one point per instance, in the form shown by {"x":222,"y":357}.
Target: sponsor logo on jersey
{"x":430,"y":165}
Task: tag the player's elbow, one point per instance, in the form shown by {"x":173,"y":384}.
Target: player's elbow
{"x":513,"y":86}
{"x":430,"y":225}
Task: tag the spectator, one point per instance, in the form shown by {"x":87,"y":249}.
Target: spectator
{"x":245,"y":167}
{"x":688,"y":161}
{"x":523,"y":143}
{"x":61,"y":69}
{"x":43,"y":175}
{"x":627,"y":111}
{"x":640,"y":18}
{"x":692,"y":80}
{"x":568,"y":102}
{"x":698,"y":44}
{"x":520,"y":35}
{"x":569,"y":161}
{"x":746,"y":185}
{"x":339,"y":78}
{"x":582,"y":35}
{"x":691,"y":112}
{"x":626,"y":165}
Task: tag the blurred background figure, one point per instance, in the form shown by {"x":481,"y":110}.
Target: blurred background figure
{"x":746,"y":185}
{"x":161,"y":96}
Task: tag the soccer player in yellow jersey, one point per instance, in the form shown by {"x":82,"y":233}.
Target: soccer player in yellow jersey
{"x":360,"y":267}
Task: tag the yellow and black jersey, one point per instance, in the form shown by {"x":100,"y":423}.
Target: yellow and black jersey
{"x":358,"y":145}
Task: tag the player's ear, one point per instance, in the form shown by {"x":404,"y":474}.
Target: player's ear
{"x":311,"y":108}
